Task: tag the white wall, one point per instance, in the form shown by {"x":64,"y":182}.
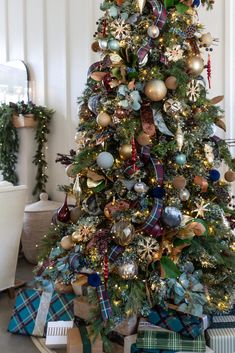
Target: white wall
{"x":53,"y":37}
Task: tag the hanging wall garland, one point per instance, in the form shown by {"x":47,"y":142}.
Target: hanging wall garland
{"x":18,"y":115}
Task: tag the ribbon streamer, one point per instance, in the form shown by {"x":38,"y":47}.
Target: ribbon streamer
{"x":105,"y":307}
{"x":147,"y":121}
{"x":146,"y":156}
{"x":151,"y":222}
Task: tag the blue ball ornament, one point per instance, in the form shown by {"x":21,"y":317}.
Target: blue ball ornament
{"x":94,"y":280}
{"x":180,"y":159}
{"x":158,"y":192}
{"x":196,"y":3}
{"x":172,"y":217}
{"x":114,"y":45}
{"x":214,"y":175}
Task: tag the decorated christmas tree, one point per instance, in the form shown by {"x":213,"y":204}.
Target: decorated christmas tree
{"x":152,"y":218}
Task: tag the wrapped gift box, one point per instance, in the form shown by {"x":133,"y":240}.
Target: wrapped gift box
{"x":185,"y":324}
{"x":34,"y":309}
{"x":127,"y":327}
{"x":125,"y":346}
{"x":82,"y":308}
{"x":221,"y":340}
{"x":159,"y":339}
{"x":57,"y":333}
{"x":227,"y":321}
{"x":134,"y":349}
{"x":80,"y":285}
{"x":78,"y":341}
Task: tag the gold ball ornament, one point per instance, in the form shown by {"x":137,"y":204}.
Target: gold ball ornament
{"x":155,"y":90}
{"x":195,"y":65}
{"x":143,"y":139}
{"x":125,"y":151}
{"x":229,"y":176}
{"x":103,"y":119}
{"x":123,"y":233}
{"x":171,"y":82}
{"x":179,"y":182}
{"x":67,"y":242}
{"x":69,"y":171}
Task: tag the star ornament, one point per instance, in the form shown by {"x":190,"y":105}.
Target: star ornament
{"x":141,"y":4}
{"x":201,"y":209}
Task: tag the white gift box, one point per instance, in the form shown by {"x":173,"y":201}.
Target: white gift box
{"x":221,"y":340}
{"x":57,"y":333}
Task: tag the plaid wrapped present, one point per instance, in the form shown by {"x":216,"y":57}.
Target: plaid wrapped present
{"x":185,"y":324}
{"x":134,"y":349}
{"x":34,"y":309}
{"x":168,"y":340}
{"x":227,"y":321}
{"x":221,"y":340}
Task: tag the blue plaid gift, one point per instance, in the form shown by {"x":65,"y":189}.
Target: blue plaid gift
{"x":34,"y":309}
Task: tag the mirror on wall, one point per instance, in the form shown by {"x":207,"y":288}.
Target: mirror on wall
{"x":14,"y":82}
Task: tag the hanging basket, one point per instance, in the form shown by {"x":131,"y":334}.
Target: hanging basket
{"x":27,"y":121}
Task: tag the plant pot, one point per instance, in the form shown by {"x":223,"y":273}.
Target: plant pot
{"x":27,"y":121}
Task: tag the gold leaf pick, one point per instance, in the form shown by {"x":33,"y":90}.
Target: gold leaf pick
{"x":141,"y":4}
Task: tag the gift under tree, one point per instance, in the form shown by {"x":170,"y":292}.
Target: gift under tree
{"x":150,"y":226}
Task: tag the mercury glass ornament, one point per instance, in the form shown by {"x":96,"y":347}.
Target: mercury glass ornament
{"x":67,"y":242}
{"x":184,"y":195}
{"x":141,"y":188}
{"x":103,"y":43}
{"x":172,"y":217}
{"x":195,"y":65}
{"x":105,"y":160}
{"x":103,"y":119}
{"x":114,"y":45}
{"x":180,"y":159}
{"x":125,"y":151}
{"x":155,"y":90}
{"x":128,"y":270}
{"x":172,"y":106}
{"x":153,"y":31}
{"x":123,"y":233}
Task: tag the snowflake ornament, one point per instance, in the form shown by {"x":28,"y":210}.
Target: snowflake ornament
{"x":119,"y":29}
{"x":175,"y":53}
{"x":148,"y":248}
{"x":201,"y":209}
{"x":193,"y":90}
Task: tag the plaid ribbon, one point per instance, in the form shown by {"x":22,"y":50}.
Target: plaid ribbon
{"x":105,"y":307}
{"x":185,"y":324}
{"x":169,"y":341}
{"x":149,"y":225}
{"x":160,"y":13}
{"x":134,"y":349}
{"x":115,"y":252}
{"x":146,"y":156}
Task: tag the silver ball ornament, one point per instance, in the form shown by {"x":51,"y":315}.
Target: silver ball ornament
{"x":141,"y":188}
{"x":155,"y":90}
{"x":114,"y":45}
{"x":172,"y":217}
{"x":184,"y":195}
{"x":103,"y":43}
{"x":153,"y":31}
{"x":128,"y":270}
{"x":105,"y":160}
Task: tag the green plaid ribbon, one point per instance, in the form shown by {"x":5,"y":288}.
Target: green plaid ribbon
{"x":169,"y":341}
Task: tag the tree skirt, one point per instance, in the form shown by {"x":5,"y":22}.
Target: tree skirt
{"x":40,"y":344}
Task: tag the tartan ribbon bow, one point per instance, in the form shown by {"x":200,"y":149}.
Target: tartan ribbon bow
{"x":160,"y":14}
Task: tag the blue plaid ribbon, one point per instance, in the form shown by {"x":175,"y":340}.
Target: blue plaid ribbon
{"x":151,"y":222}
{"x":146,"y":156}
{"x":115,"y":252}
{"x":105,"y":307}
{"x":160,"y":13}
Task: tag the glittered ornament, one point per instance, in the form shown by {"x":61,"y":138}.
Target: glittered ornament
{"x":85,"y":230}
{"x":77,"y":191}
{"x":141,"y":188}
{"x":103,"y":119}
{"x":148,"y":249}
{"x":195,"y":65}
{"x":128,"y":270}
{"x":125,"y":151}
{"x":123,"y":233}
{"x":103,"y":44}
{"x":155,"y":90}
{"x":171,"y":83}
{"x":91,"y":205}
{"x":229,"y":176}
{"x":172,"y":217}
{"x":63,"y":214}
{"x":153,"y":31}
{"x":179,"y":182}
{"x":67,"y":242}
{"x":105,"y":160}
{"x":180,"y":159}
{"x":116,"y":206}
{"x":143,"y":139}
{"x":206,"y":39}
{"x":69,"y":171}
{"x":114,"y":45}
{"x":174,"y":53}
{"x":172,"y":107}
{"x":193,"y":91}
{"x":179,"y":138}
{"x":120,"y":29}
{"x":184,"y":195}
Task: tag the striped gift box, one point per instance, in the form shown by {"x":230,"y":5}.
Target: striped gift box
{"x":221,"y":340}
{"x":227,"y":321}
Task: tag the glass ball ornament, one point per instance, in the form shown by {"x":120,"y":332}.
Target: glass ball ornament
{"x":128,"y":270}
{"x":141,"y":188}
{"x":172,"y":217}
{"x":155,"y":90}
{"x":153,"y":31}
{"x":229,"y":176}
{"x":103,"y":43}
{"x":214,"y":175}
{"x":67,"y":242}
{"x":123,"y":233}
{"x":180,"y":159}
{"x":105,"y":160}
{"x":171,"y":83}
{"x":114,"y":45}
{"x":195,"y":65}
{"x":103,"y":119}
{"x":125,"y":151}
{"x":184,"y":195}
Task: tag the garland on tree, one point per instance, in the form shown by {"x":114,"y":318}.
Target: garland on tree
{"x":9,"y":141}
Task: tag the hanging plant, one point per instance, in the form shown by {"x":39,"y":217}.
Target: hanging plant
{"x":18,"y":115}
